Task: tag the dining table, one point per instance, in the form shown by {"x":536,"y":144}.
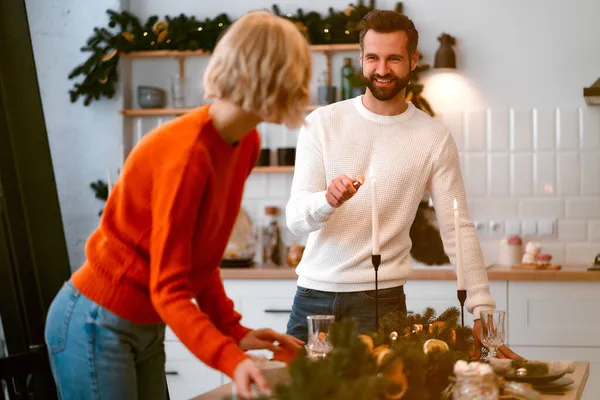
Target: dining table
{"x":571,"y":392}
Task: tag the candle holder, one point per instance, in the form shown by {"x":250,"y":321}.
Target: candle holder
{"x":462,"y":296}
{"x":376,"y":260}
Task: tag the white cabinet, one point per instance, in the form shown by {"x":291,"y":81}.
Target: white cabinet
{"x":187,"y":376}
{"x":263,"y":303}
{"x":557,"y":321}
{"x":554,"y":313}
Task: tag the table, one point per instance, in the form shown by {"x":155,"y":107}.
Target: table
{"x":574,"y":392}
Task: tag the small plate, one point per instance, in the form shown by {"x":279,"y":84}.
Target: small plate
{"x":534,"y":379}
{"x":558,"y":385}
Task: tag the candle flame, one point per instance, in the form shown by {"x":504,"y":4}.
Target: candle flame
{"x":455,"y":204}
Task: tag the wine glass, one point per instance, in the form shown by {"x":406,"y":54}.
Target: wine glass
{"x":318,"y":335}
{"x":493,"y":330}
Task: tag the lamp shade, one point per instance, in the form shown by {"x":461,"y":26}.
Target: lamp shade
{"x":445,"y":57}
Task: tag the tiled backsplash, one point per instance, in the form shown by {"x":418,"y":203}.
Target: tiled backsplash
{"x":523,"y":169}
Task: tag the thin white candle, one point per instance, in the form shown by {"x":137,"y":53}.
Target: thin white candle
{"x":108,"y":180}
{"x":374,"y":214}
{"x":460,"y":271}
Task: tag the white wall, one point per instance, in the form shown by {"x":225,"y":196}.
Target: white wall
{"x":84,"y":141}
{"x":517,"y":55}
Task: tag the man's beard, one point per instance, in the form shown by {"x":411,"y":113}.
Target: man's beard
{"x":388,"y":92}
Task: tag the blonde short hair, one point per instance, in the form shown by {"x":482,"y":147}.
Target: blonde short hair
{"x":262,"y":64}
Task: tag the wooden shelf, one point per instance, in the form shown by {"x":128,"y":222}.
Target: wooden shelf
{"x":157,"y":112}
{"x":200,"y":53}
{"x":274,"y":168}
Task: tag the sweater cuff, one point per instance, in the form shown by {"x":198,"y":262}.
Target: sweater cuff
{"x":323,"y":208}
{"x":229,"y":359}
{"x":237,"y":332}
{"x":478,"y":309}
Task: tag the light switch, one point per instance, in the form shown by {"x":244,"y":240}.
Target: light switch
{"x":529,"y":228}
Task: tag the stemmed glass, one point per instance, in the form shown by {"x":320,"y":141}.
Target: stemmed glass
{"x":493,"y":330}
{"x":318,"y":335}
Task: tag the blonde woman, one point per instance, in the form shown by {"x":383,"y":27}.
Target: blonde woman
{"x":154,"y":259}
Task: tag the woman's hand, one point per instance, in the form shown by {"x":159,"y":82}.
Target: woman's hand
{"x":245,"y":374}
{"x":265,"y":339}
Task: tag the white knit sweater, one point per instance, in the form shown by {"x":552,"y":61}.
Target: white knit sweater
{"x":411,"y":154}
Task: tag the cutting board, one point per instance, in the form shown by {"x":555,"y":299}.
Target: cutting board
{"x":550,"y":267}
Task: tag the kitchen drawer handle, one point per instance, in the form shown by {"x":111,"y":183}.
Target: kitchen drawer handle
{"x":171,"y":373}
{"x":277,"y":311}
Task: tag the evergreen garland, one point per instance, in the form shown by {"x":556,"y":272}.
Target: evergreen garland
{"x":352,"y":371}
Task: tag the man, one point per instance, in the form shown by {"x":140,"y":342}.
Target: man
{"x":409,"y":153}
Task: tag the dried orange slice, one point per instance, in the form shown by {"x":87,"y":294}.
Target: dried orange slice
{"x":435,"y":344}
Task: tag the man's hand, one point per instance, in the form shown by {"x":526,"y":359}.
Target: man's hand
{"x":264,"y":339}
{"x":342,"y":188}
{"x":503,"y":351}
{"x":245,"y":374}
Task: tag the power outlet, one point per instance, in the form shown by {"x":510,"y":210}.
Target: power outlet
{"x":529,"y":228}
{"x":496,"y":229}
{"x":481,"y":228}
{"x":546,"y":227}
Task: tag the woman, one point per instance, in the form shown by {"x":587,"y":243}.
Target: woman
{"x":154,"y":258}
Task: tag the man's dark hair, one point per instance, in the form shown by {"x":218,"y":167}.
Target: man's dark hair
{"x":384,"y":21}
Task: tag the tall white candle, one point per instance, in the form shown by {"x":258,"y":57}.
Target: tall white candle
{"x":460,"y":270}
{"x":108,"y":180}
{"x":374,"y":214}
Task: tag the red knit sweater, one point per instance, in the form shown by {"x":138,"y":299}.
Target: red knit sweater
{"x":163,"y":232}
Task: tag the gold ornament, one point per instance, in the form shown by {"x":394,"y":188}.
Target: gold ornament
{"x":109,"y":55}
{"x":130,"y":37}
{"x":417,"y":328}
{"x":103,"y":80}
{"x":435,"y":344}
{"x":394,"y":336}
{"x":159,"y":27}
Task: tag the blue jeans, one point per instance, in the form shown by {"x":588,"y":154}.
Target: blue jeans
{"x":94,"y":354}
{"x":357,"y":305}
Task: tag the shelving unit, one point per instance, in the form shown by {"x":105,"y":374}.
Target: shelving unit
{"x":132,"y":113}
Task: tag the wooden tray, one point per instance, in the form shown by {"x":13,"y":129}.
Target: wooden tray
{"x":551,"y":267}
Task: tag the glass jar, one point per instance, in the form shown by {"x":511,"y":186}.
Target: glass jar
{"x":473,"y":386}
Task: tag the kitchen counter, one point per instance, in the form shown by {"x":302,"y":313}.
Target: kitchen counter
{"x":568,"y":273}
{"x":573,"y":392}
